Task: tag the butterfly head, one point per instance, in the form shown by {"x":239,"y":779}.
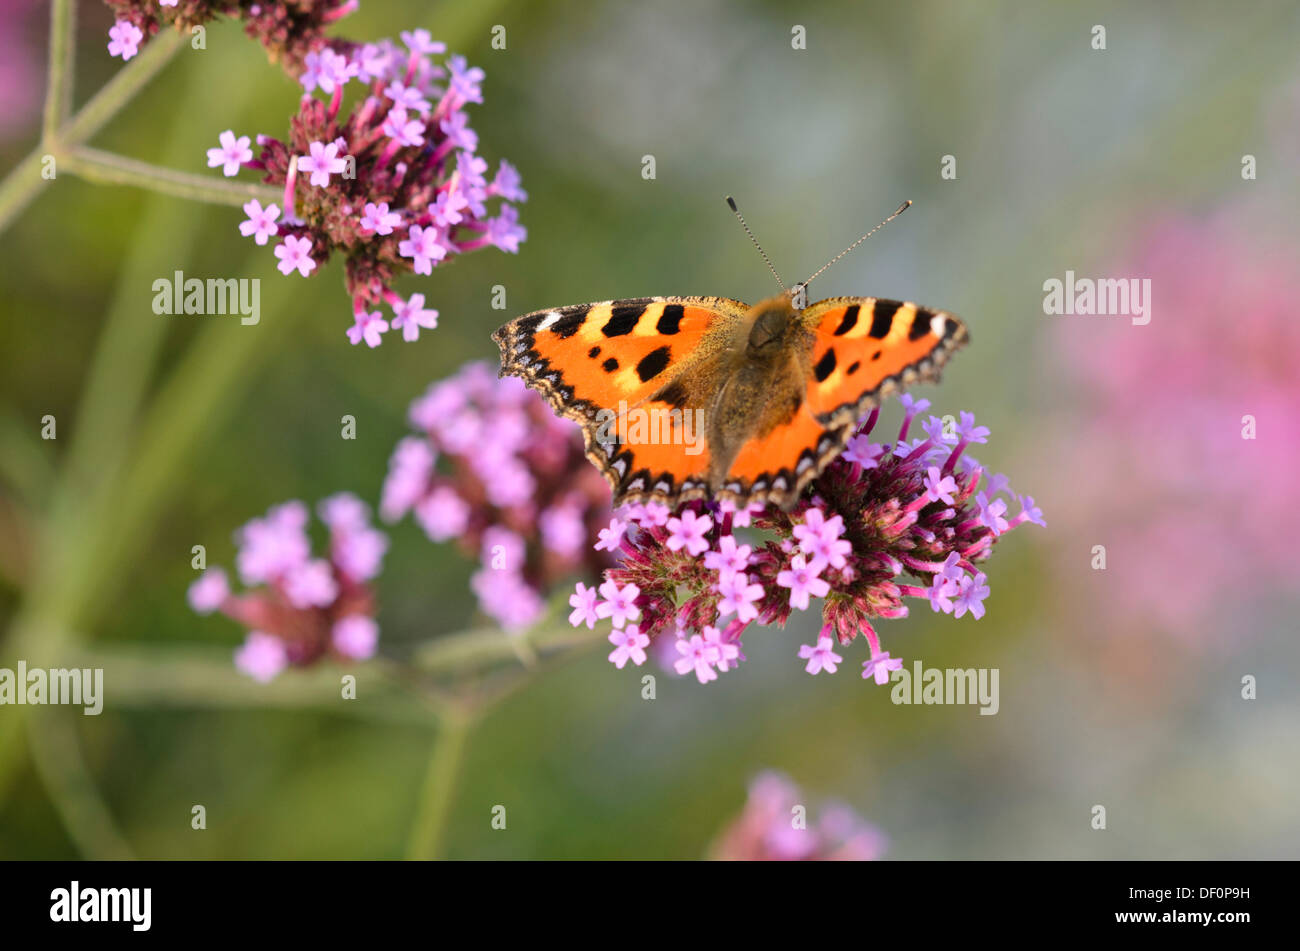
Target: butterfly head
{"x":770,"y":324}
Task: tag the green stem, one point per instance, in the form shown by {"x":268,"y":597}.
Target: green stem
{"x":476,"y":649}
{"x":191,"y":678}
{"x":72,"y":790}
{"x":25,"y":463}
{"x":106,"y":168}
{"x":22,"y":184}
{"x":113,"y":486}
{"x":428,"y":831}
{"x":88,"y":493}
{"x":58,"y":92}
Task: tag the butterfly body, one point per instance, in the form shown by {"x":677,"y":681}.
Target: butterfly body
{"x":705,"y":397}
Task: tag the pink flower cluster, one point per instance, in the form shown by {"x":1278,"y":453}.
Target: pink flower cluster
{"x":773,"y":827}
{"x":288,"y":29}
{"x":300,"y":608}
{"x":495,"y":470}
{"x":879,"y":512}
{"x":394,"y":184}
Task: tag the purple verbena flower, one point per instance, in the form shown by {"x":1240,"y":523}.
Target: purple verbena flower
{"x":322,"y":161}
{"x":355,"y":637}
{"x":688,"y":532}
{"x":619,"y":604}
{"x":820,"y":656}
{"x":298,"y":608}
{"x":494,"y":470}
{"x":803,"y":581}
{"x":209,"y":592}
{"x":368,"y":327}
{"x":295,"y":253}
{"x":410,"y":315}
{"x":698,"y":656}
{"x":261,"y":221}
{"x":879,"y":667}
{"x":583,"y":602}
{"x":881,"y":525}
{"x":629,"y":644}
{"x":378,"y":219}
{"x":231,"y":154}
{"x":424,"y":246}
{"x":124,"y":41}
{"x":390,"y":181}
{"x":292,"y":31}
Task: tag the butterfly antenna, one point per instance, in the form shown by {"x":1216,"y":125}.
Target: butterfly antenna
{"x":731,"y":202}
{"x":901,"y":208}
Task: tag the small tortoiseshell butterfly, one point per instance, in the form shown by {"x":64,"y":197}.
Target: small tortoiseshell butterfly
{"x":705,"y":397}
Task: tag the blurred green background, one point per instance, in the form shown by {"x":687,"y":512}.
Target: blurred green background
{"x":174,"y":431}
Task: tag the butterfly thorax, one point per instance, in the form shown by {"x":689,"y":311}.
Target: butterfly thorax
{"x":770,"y":324}
{"x":764,"y":385}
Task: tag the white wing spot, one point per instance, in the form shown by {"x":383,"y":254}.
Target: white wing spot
{"x":938,"y":325}
{"x":549,"y":320}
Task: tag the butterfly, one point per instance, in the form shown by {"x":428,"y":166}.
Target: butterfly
{"x":684,"y":398}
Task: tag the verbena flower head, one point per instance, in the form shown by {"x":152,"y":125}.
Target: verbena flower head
{"x":288,"y":29}
{"x":776,"y":826}
{"x":885,"y":523}
{"x":297,"y":607}
{"x":495,"y":470}
{"x":392,"y":183}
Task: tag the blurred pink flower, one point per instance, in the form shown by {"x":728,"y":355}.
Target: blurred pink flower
{"x":1194,"y":516}
{"x":22,"y":80}
{"x":496,"y":470}
{"x":775,"y":826}
{"x":299,"y":608}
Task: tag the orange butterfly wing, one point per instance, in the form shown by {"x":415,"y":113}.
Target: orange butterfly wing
{"x":618,"y":369}
{"x":775,"y":467}
{"x":862,"y":350}
{"x":611,"y":365}
{"x":866,"y":348}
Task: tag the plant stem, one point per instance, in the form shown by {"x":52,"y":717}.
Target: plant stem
{"x":205,"y":679}
{"x":428,"y":831}
{"x":106,"y":168}
{"x":71,"y":787}
{"x":22,"y":184}
{"x":20,"y":187}
{"x":88,"y":493}
{"x":476,"y":649}
{"x":58,"y":93}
